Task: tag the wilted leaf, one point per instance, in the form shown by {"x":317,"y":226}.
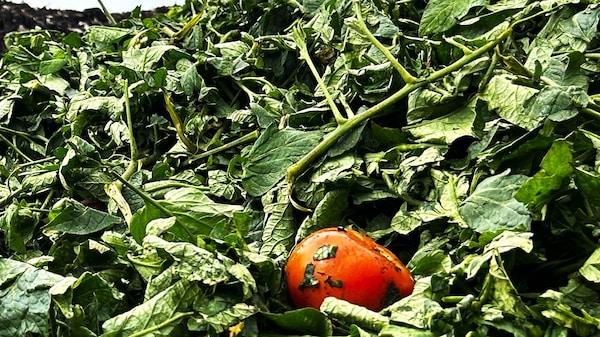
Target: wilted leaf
{"x":70,"y":216}
{"x":591,"y":268}
{"x":24,"y":299}
{"x":441,"y":15}
{"x":306,"y":320}
{"x":159,"y":316}
{"x":508,"y":100}
{"x":555,"y":174}
{"x":492,"y":206}
{"x":274,"y":151}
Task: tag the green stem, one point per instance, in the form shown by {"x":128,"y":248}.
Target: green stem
{"x":185,"y":30}
{"x":592,"y":55}
{"x":406,"y":76}
{"x":419,"y":146}
{"x":133,"y":150}
{"x":6,"y":200}
{"x":154,"y":186}
{"x":25,"y":135}
{"x":110,"y":18}
{"x":15,"y":148}
{"x":330,"y":139}
{"x":149,"y":200}
{"x":488,"y":73}
{"x":143,"y":195}
{"x":593,"y":113}
{"x":453,"y":42}
{"x":178,"y":124}
{"x":244,"y":139}
{"x":171,"y":320}
{"x":300,"y":39}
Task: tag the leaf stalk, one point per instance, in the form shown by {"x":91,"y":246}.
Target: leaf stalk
{"x":300,"y":39}
{"x":178,"y":124}
{"x":330,"y":139}
{"x":406,"y":76}
{"x":133,"y":150}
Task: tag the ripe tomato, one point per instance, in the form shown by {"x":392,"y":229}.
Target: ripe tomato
{"x":348,"y":265}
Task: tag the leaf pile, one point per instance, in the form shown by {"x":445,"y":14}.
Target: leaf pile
{"x":154,"y":174}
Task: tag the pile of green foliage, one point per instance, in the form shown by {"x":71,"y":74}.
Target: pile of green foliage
{"x":155,"y":174}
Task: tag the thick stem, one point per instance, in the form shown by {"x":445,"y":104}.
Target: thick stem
{"x":178,"y":124}
{"x":167,"y":322}
{"x":244,"y":139}
{"x":106,"y":12}
{"x":133,"y":150}
{"x":300,"y":40}
{"x":330,"y":139}
{"x":406,"y":76}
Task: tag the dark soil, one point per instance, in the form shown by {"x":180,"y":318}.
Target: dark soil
{"x":20,"y":17}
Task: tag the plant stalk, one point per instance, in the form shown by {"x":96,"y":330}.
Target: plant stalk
{"x":178,"y":124}
{"x":406,"y":76}
{"x":109,"y":16}
{"x":330,"y":139}
{"x":244,"y":139}
{"x":299,"y":38}
{"x":133,"y":150}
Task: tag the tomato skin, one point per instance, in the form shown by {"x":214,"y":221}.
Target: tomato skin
{"x":348,"y":265}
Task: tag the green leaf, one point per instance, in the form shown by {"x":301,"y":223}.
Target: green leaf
{"x":105,"y":35}
{"x":218,"y":322}
{"x":574,"y":307}
{"x":72,"y":217}
{"x":397,"y":330}
{"x":18,"y":224}
{"x":328,"y":213}
{"x":492,"y":206}
{"x":158,"y":316}
{"x":502,"y":305}
{"x":99,"y":298}
{"x":431,"y":258}
{"x":142,"y":217}
{"x":591,"y":268}
{"x":502,"y":243}
{"x":194,"y":213}
{"x":554,"y":175}
{"x":344,"y":311}
{"x":508,"y":100}
{"x":334,"y":169}
{"x":191,"y":81}
{"x":448,"y":128}
{"x":24,"y":299}
{"x":418,"y":309}
{"x":274,"y":151}
{"x":441,"y":15}
{"x":197,"y":264}
{"x":577,"y":31}
{"x":557,"y":103}
{"x":305,"y":320}
{"x":277,"y":234}
{"x":588,"y":184}
{"x":52,"y":66}
{"x":6,"y":108}
{"x":144,"y":59}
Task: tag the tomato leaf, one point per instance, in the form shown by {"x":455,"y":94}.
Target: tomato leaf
{"x":441,"y":15}
{"x":25,"y":301}
{"x":70,"y":216}
{"x":307,"y":320}
{"x":556,"y":170}
{"x":274,"y":151}
{"x":492,"y":206}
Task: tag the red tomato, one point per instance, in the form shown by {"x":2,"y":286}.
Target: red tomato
{"x":348,"y":265}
